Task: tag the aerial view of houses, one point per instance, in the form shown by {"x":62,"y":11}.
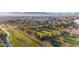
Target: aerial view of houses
{"x":39,"y":29}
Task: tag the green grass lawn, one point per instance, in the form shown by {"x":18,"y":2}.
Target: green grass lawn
{"x":1,"y":43}
{"x":20,"y":39}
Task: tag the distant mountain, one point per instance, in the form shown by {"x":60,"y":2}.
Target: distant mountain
{"x":39,"y":13}
{"x":24,"y":15}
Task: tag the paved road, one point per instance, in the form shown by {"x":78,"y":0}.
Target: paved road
{"x":5,"y":39}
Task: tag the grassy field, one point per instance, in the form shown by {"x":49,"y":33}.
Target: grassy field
{"x":20,"y":39}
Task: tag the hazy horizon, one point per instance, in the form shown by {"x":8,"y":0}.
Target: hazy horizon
{"x":37,"y":13}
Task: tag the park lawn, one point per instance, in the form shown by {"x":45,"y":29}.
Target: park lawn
{"x":20,"y":39}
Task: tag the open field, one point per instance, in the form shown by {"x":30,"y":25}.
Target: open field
{"x":20,"y":39}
